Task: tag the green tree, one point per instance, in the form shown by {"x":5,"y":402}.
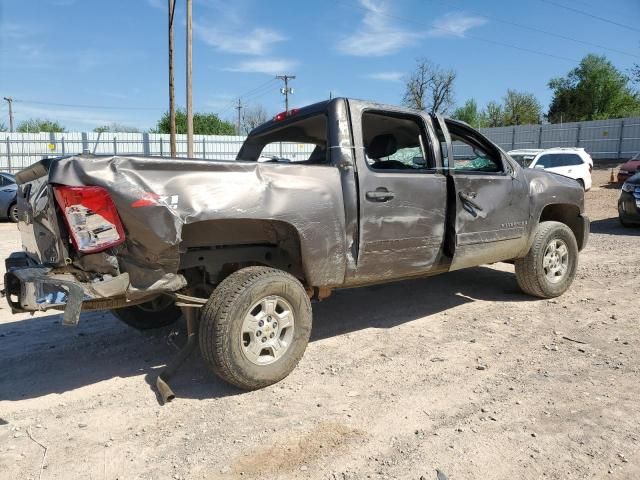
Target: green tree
{"x":594,"y":90}
{"x":203,"y":124}
{"x":492,"y":115}
{"x":635,"y":73}
{"x":116,"y":127}
{"x":521,"y":108}
{"x":468,"y":113}
{"x":35,"y":125}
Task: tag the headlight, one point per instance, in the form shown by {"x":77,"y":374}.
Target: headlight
{"x":628,"y":187}
{"x":623,"y":172}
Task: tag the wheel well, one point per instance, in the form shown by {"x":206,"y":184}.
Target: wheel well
{"x":567,"y":214}
{"x":220,"y":247}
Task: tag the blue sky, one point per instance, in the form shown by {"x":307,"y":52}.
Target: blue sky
{"x":84,"y":55}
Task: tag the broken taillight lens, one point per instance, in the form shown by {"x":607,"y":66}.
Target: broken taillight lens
{"x":91,"y":217}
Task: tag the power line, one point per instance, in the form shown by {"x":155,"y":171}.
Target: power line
{"x":546,"y":32}
{"x":286,"y":91}
{"x":239,"y":108}
{"x":73,"y":105}
{"x":587,"y":14}
{"x":252,"y":94}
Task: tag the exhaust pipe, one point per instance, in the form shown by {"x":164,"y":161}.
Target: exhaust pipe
{"x":166,"y":394}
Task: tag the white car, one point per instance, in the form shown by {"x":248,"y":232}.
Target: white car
{"x":575,"y":163}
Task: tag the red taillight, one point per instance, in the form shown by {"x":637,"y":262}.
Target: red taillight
{"x":91,"y":216}
{"x":282,"y":115}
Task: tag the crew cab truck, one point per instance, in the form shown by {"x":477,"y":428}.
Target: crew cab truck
{"x":339,"y":194}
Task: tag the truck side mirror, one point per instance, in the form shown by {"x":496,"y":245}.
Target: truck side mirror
{"x":540,"y":167}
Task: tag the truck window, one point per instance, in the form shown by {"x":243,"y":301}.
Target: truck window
{"x":302,"y":141}
{"x":471,"y":153}
{"x":395,"y":142}
{"x":6,"y":181}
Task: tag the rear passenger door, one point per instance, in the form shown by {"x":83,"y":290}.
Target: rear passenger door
{"x":491,"y":199}
{"x":402,"y":195}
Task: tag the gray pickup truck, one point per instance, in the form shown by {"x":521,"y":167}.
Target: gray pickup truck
{"x":367,"y":193}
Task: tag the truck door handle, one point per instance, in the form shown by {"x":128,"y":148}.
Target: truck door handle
{"x":380,"y":194}
{"x":468,"y":199}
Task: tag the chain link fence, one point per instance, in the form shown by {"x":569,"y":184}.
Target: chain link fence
{"x":616,"y":139}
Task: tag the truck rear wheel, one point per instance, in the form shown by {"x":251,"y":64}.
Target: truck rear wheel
{"x":550,"y":265}
{"x":156,"y":313}
{"x":255,"y":327}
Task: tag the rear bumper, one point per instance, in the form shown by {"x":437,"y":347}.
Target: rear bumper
{"x":30,"y":287}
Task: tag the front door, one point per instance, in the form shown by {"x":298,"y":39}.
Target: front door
{"x":402,"y":196}
{"x":491,"y":200}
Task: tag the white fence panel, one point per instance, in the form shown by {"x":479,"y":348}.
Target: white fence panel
{"x":603,"y":139}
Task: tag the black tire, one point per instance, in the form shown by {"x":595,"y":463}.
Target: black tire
{"x":12,"y":214}
{"x":530,"y":271}
{"x":623,"y":222}
{"x":157,"y":313}
{"x":221,"y":326}
{"x":581,"y":182}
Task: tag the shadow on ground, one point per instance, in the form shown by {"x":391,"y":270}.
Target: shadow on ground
{"x":39,"y":356}
{"x":612,"y":226}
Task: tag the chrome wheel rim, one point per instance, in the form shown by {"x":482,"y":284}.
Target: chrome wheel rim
{"x":267,"y":330}
{"x":556,"y":260}
{"x":14,"y":213}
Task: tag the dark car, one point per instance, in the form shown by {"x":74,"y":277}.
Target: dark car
{"x":629,"y":202}
{"x":629,"y":168}
{"x":8,"y":189}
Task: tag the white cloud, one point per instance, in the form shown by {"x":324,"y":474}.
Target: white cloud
{"x":258,"y":41}
{"x":377,"y":36}
{"x":271,"y":66}
{"x":455,"y":25}
{"x":386,"y":76}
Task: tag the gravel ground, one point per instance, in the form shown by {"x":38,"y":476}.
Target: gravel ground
{"x":459,"y":372}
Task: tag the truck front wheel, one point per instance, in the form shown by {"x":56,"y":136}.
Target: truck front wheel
{"x":550,"y":265}
{"x":255,"y":327}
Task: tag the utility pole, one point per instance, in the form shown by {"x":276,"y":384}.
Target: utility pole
{"x":172,"y":97}
{"x":189,"y":84}
{"x":286,"y":90}
{"x":10,"y":102}
{"x":239,"y":108}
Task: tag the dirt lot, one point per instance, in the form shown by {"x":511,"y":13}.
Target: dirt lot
{"x":460,"y":373}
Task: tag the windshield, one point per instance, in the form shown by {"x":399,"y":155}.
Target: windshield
{"x":524,"y":160}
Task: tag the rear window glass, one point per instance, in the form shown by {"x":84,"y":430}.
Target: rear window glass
{"x":551,"y":160}
{"x":302,"y":141}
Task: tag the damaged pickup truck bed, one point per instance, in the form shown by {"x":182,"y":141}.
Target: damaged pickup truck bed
{"x":370,"y":194}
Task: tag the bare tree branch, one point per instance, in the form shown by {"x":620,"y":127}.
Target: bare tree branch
{"x":429,"y":88}
{"x":252,"y":116}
